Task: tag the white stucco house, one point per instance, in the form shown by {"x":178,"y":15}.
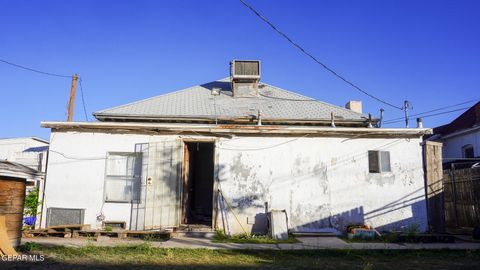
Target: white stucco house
{"x":461,"y":137}
{"x":28,"y":151}
{"x":224,"y":153}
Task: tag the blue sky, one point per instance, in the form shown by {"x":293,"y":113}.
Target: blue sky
{"x":423,"y":51}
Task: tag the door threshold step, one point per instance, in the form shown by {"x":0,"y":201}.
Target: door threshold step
{"x":193,"y":234}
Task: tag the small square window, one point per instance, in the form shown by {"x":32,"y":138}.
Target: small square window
{"x":468,"y":151}
{"x":379,"y":161}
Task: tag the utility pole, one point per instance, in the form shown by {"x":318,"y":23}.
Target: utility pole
{"x":71,"y":102}
{"x":406,"y":106}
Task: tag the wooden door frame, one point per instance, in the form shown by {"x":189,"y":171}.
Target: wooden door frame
{"x":184,"y":179}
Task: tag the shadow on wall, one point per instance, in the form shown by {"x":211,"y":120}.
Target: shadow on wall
{"x":339,"y":222}
{"x":357,"y":215}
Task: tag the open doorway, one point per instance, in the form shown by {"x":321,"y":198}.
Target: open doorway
{"x":197,"y":199}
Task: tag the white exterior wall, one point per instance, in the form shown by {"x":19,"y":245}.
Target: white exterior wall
{"x":324,"y":182}
{"x":76,"y":174}
{"x":452,"y":146}
{"x":320,"y":182}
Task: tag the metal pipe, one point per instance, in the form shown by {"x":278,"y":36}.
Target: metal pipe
{"x":419,"y":123}
{"x":381,"y":118}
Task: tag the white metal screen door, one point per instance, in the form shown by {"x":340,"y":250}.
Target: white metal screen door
{"x":163,"y":184}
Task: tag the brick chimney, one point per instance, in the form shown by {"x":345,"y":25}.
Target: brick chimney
{"x":354,"y":105}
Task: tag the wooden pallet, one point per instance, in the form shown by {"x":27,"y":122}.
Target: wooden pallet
{"x":64,"y":231}
{"x":69,"y":228}
{"x":97,"y":233}
{"x":81,"y":230}
{"x":122,"y":234}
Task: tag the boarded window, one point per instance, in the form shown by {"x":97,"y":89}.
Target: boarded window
{"x":122,"y":177}
{"x":379,"y":161}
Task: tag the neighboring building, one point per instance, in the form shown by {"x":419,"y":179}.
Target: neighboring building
{"x":461,"y":137}
{"x":236,"y":144}
{"x":28,"y":151}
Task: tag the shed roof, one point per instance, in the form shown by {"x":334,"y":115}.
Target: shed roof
{"x":24,"y":138}
{"x":197,"y":103}
{"x":16,"y":170}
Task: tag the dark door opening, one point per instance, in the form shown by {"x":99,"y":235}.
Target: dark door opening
{"x":198,"y":183}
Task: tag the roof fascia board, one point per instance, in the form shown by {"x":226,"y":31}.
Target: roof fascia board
{"x":237,"y":129}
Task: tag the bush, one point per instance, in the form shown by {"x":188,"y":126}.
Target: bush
{"x":31,"y":208}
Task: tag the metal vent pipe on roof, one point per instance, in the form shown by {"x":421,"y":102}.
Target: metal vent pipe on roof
{"x":419,"y":123}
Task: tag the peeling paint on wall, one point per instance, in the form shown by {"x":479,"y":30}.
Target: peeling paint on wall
{"x":380,"y":179}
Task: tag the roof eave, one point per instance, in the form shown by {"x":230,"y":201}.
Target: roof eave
{"x":245,"y":119}
{"x":238,"y":129}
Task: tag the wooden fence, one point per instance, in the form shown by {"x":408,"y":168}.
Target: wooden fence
{"x":462,"y":198}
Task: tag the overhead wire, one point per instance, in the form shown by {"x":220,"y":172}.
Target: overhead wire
{"x":35,"y":70}
{"x":304,"y":51}
{"x":262,"y":148}
{"x":54,"y":75}
{"x":430,"y":115}
{"x":83,"y":99}
{"x":434,"y":110}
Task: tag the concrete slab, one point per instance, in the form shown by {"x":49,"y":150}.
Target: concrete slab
{"x":305,"y":243}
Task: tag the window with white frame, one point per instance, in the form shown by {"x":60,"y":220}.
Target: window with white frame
{"x":379,"y":161}
{"x":467,"y":151}
{"x":122,"y":177}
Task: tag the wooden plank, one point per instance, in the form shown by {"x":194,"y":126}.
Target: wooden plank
{"x":462,"y":198}
{"x":434,"y":186}
{"x":5,"y":244}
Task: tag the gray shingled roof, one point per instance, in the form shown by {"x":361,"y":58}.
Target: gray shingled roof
{"x":197,"y":102}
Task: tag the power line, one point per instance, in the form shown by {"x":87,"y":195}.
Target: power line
{"x":429,"y":115}
{"x":83,"y":99}
{"x":55,"y":75}
{"x":434,"y":110}
{"x":35,"y":70}
{"x":315,"y":59}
